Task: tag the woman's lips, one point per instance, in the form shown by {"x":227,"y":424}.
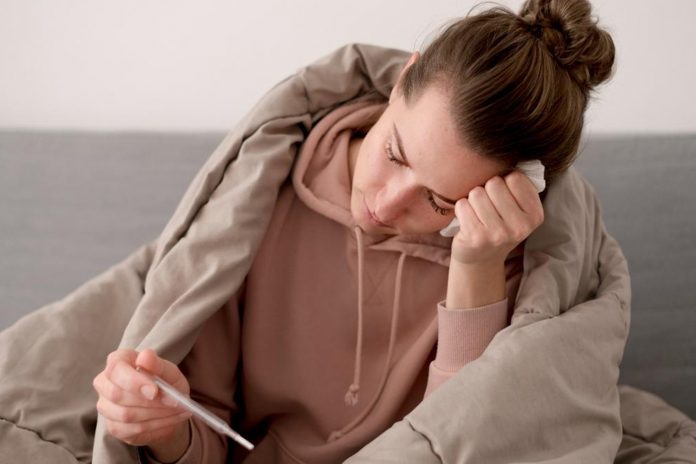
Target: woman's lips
{"x":372,"y":217}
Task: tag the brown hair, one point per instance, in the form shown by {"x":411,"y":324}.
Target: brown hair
{"x":519,"y":84}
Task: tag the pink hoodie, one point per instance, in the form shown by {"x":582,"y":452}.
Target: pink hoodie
{"x":336,"y":334}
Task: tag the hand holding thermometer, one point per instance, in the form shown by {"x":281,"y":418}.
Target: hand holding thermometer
{"x":203,"y":414}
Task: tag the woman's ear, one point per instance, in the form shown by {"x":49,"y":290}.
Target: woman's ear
{"x":396,"y":90}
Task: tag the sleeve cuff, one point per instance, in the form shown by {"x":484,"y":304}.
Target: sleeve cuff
{"x":463,"y":334}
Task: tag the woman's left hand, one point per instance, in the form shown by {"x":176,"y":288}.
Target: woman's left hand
{"x":494,"y":219}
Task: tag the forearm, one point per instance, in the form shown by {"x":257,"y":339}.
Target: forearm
{"x":476,"y":309}
{"x":475,"y":285}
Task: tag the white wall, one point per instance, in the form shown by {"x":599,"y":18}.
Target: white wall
{"x":199,"y":65}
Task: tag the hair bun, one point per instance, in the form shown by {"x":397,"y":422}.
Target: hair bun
{"x":571,"y":34}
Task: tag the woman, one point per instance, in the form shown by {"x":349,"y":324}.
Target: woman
{"x":352,"y":281}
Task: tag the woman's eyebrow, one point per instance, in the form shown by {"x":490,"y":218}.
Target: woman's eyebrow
{"x":400,"y":146}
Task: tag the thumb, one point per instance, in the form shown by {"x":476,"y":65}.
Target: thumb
{"x":149,"y":361}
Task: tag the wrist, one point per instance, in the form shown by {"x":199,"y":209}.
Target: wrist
{"x":482,"y":265}
{"x":172,"y":448}
{"x":472,"y":285}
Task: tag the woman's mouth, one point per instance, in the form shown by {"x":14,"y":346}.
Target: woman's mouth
{"x":371,"y":216}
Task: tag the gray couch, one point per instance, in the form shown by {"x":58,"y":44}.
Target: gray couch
{"x":61,"y":226}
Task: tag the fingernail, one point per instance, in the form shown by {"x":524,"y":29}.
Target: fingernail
{"x":148,"y":391}
{"x":167,"y":400}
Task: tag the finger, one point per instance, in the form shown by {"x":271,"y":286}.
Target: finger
{"x":167,"y":370}
{"x":468,"y":221}
{"x":503,"y":200}
{"x":163,"y":368}
{"x":107,"y":389}
{"x":120,"y":413}
{"x":484,"y":209}
{"x":126,"y":377}
{"x":128,"y":430}
{"x":524,"y":192}
{"x":126,"y":355}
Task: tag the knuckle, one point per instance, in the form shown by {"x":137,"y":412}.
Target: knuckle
{"x":125,"y":414}
{"x":478,"y":240}
{"x":96,"y":381}
{"x":498,"y":239}
{"x":113,"y":357}
{"x":519,"y":232}
{"x":519,"y":236}
{"x":120,"y":355}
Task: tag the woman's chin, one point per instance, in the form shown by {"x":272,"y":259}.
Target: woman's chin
{"x":370,"y":228}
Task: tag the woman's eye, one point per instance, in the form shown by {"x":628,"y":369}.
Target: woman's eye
{"x":391,"y":157}
{"x":438,"y":210}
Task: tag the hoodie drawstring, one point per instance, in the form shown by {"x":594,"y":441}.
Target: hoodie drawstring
{"x":351,"y":396}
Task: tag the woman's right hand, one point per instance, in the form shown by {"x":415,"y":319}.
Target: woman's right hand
{"x":136,"y":412}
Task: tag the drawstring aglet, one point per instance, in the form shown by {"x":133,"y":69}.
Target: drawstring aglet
{"x":351,"y":398}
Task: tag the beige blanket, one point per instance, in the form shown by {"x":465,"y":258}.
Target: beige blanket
{"x":544,"y":391}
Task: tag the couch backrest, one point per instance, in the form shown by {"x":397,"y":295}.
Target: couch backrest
{"x":646,"y":185}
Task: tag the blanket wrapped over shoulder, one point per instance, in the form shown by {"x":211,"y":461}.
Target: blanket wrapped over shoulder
{"x":545,"y":389}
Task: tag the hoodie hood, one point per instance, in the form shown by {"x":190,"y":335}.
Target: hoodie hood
{"x":322,"y":180}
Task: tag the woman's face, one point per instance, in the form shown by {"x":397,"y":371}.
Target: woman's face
{"x":410,"y":168}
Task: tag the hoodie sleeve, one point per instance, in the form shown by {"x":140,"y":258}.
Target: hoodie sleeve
{"x":211,"y":369}
{"x":464,"y":333}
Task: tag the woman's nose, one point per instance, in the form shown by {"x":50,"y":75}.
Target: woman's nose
{"x":392,"y":202}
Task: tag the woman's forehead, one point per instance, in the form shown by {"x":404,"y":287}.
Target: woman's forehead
{"x":425,"y":123}
{"x":426,"y":132}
